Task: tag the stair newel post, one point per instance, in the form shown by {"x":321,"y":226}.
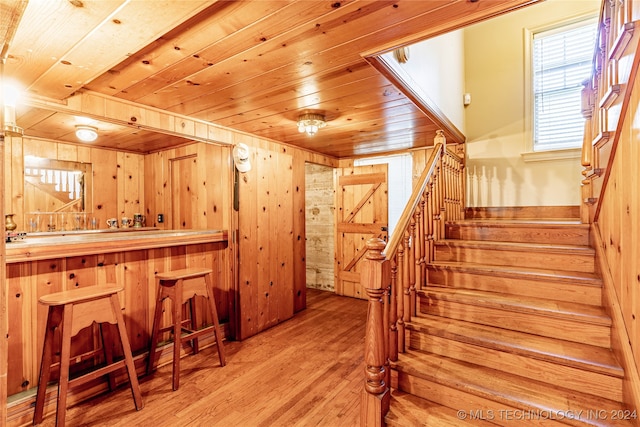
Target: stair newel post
{"x":393,"y":314}
{"x":412,"y":268}
{"x":399,"y":291}
{"x":375,"y":279}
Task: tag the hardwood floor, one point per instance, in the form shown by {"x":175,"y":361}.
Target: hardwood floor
{"x":307,"y":371}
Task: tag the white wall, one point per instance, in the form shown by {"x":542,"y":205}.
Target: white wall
{"x":494,"y":64}
{"x":436,"y":66}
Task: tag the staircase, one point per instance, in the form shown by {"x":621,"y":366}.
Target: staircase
{"x":510,"y":331}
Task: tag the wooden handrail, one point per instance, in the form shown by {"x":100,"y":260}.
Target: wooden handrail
{"x":410,"y":207}
{"x":392,"y":274}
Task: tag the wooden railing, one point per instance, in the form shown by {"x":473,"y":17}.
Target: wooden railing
{"x":603,"y":99}
{"x":392,"y":272}
{"x":612,"y":177}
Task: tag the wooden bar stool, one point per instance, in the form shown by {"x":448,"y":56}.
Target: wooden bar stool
{"x":72,"y":311}
{"x":181,"y":286}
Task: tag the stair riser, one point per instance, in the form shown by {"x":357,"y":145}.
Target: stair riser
{"x":550,"y":260}
{"x":550,"y":235}
{"x":570,"y":292}
{"x":471,"y":405}
{"x":552,"y":373}
{"x":534,"y":323}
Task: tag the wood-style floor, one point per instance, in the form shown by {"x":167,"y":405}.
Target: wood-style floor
{"x":307,"y":371}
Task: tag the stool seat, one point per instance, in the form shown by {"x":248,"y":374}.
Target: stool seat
{"x":182,"y":286}
{"x":71,"y":311}
{"x":185,"y":273}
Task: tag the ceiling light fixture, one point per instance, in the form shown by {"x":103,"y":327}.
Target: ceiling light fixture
{"x":86,"y":133}
{"x":310,"y":123}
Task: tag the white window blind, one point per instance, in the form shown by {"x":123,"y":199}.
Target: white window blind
{"x":561,"y":62}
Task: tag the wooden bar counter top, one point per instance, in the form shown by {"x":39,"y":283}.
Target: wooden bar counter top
{"x":43,"y":246}
{"x":45,"y":263}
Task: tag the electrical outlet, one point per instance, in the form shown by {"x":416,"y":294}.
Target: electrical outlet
{"x":160,"y":218}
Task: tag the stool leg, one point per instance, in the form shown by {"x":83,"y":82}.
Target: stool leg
{"x":194,"y":323}
{"x":126,"y":349}
{"x":107,"y":347}
{"x":54,"y":316}
{"x":177,"y":332}
{"x":65,"y":356}
{"x":155,"y":331}
{"x":214,"y":312}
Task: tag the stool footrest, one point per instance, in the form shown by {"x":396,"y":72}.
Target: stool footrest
{"x":85,"y":378}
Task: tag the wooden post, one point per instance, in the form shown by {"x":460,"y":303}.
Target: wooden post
{"x":375,"y":279}
{"x":4,"y":333}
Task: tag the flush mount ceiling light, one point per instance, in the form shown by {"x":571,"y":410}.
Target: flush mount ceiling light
{"x":86,"y":133}
{"x":310,"y":123}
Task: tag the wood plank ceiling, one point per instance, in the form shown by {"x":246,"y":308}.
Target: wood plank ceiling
{"x":248,"y":65}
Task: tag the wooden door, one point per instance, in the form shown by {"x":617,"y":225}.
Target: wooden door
{"x":266,"y":285}
{"x":361,"y":213}
{"x":184,"y":193}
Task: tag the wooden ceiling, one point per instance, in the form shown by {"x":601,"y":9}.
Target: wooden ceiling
{"x":247,"y":65}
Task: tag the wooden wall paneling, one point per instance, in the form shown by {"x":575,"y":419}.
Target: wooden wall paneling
{"x":623,"y":227}
{"x":266,"y":247}
{"x":105,"y":185}
{"x":40,"y":148}
{"x":248,"y":250}
{"x":299,"y":234}
{"x":214,"y":176}
{"x":159,"y":261}
{"x":184,"y":190}
{"x":21,"y":342}
{"x":196,"y":256}
{"x":154,"y":187}
{"x":286,"y":213}
{"x":130,"y":184}
{"x":67,"y":152}
{"x":136,"y":304}
{"x":634,"y":213}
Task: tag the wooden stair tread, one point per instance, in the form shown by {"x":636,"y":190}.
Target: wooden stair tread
{"x":408,"y":410}
{"x":584,"y":278}
{"x":505,"y":388}
{"x":578,"y":355}
{"x":557,"y":309}
{"x":517,"y":246}
{"x":509,"y":222}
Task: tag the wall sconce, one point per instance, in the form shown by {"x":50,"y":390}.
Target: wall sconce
{"x":86,"y":133}
{"x":310,"y":123}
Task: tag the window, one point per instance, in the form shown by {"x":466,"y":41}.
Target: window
{"x":561,"y":61}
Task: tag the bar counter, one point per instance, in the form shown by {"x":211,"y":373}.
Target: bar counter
{"x":46,"y":263}
{"x":44,"y":246}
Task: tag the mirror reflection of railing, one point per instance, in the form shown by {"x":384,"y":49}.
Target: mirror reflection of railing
{"x":56,"y":186}
{"x":60,"y":221}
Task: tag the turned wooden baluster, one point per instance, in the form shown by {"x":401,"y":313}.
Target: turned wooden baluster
{"x":393,"y":314}
{"x":406,"y":283}
{"x":375,"y":279}
{"x":419,"y":243}
{"x":399,"y":291}
{"x":411,"y":266}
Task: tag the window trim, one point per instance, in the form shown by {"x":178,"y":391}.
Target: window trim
{"x":529,"y":154}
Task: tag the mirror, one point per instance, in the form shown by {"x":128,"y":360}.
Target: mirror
{"x":56,"y":194}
